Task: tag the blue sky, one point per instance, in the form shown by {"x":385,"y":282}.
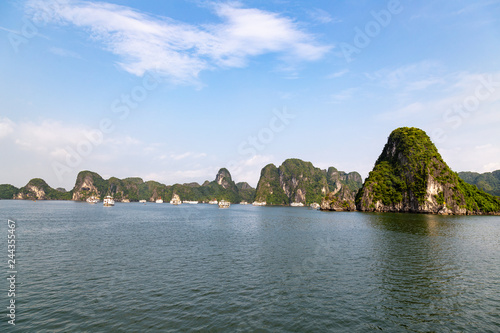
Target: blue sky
{"x":174,"y":90}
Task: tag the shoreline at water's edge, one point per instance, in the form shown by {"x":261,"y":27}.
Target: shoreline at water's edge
{"x":414,"y":212}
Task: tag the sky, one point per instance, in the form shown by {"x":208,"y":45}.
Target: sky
{"x":173,"y":91}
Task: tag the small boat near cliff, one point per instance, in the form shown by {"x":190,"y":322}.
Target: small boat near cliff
{"x":108,"y":201}
{"x":315,"y":205}
{"x":224,"y":204}
{"x":176,"y":200}
{"x":92,"y":200}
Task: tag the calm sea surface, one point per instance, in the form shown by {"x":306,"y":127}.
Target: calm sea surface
{"x":157,"y":267}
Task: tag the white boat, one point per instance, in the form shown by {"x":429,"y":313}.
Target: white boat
{"x":176,"y":200}
{"x":160,"y":200}
{"x":259,"y":203}
{"x":224,"y":204}
{"x":92,"y":200}
{"x":297,"y":204}
{"x":243,"y":203}
{"x":213,"y":202}
{"x":108,"y":201}
{"x":191,"y":202}
{"x":142,"y":201}
{"x":315,"y":205}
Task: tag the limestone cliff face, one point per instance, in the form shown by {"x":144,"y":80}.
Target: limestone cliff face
{"x":297,"y":181}
{"x":88,"y":184}
{"x":343,"y":189}
{"x":224,"y":188}
{"x":223,"y":178}
{"x":31,"y":192}
{"x":341,"y":199}
{"x":134,"y":189}
{"x":38,"y":189}
{"x":411,"y":176}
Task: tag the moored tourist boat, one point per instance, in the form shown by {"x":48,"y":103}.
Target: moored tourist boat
{"x":315,"y":205}
{"x":243,"y":203}
{"x":142,"y":201}
{"x":108,"y":201}
{"x":92,"y":200}
{"x":191,"y":202}
{"x":297,"y":204}
{"x":224,"y":204}
{"x":213,"y":202}
{"x":160,"y":200}
{"x":176,"y":200}
{"x":259,"y":203}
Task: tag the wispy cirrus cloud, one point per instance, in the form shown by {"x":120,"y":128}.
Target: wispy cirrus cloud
{"x":411,"y":77}
{"x":178,"y":50}
{"x":64,"y":53}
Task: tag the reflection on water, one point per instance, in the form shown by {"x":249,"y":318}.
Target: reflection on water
{"x":428,"y":270}
{"x":154,"y":267}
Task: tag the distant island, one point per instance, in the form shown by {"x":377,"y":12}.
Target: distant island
{"x":409,"y":176}
{"x":90,"y":183}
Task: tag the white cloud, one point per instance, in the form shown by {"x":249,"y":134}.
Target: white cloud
{"x":6,"y":127}
{"x":64,"y":53}
{"x":185,"y":155}
{"x":338,"y":74}
{"x":54,"y":139}
{"x":416,"y":76}
{"x":248,"y":170}
{"x":178,"y":50}
{"x":320,"y":15}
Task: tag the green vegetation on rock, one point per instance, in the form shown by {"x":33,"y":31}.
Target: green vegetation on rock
{"x":269,"y":188}
{"x":299,"y":181}
{"x":8,"y":191}
{"x":134,"y":189}
{"x":411,"y":176}
{"x":489,"y":182}
{"x":38,"y":189}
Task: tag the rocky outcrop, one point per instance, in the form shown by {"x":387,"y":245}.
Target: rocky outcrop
{"x":297,"y":181}
{"x":38,"y":189}
{"x":86,"y":186}
{"x":8,"y":191}
{"x":411,"y":176}
{"x":31,"y":192}
{"x":223,"y":178}
{"x":134,"y":189}
{"x":339,"y":200}
{"x":224,"y":188}
{"x":246,"y":192}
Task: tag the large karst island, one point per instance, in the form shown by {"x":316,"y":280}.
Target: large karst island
{"x":409,"y":176}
